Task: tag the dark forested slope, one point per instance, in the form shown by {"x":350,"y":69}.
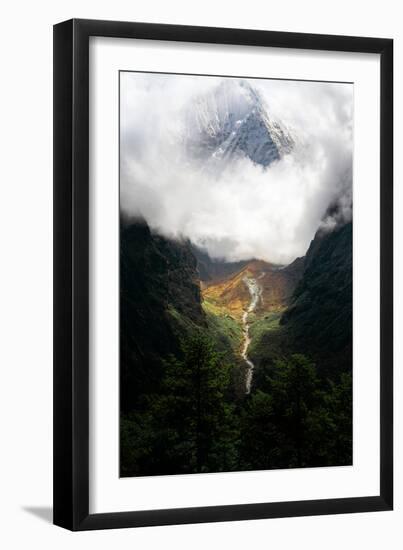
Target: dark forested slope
{"x":318,"y":321}
{"x":159,"y":301}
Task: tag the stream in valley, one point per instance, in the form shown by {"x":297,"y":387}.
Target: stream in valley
{"x":255,"y":292}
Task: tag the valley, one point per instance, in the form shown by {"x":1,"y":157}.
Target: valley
{"x":214,"y":356}
{"x":254,"y":296}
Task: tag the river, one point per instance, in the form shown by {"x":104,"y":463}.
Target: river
{"x":255,"y":292}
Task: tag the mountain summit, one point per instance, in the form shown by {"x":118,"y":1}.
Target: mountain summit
{"x":231,"y":121}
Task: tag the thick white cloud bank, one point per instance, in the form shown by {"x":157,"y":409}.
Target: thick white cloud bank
{"x":237,"y":210}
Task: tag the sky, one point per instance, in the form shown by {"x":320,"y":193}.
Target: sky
{"x":237,"y":210}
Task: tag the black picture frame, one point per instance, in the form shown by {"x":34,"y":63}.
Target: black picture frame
{"x":71,"y":274}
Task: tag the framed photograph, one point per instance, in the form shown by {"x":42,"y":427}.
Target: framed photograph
{"x":223,"y":275}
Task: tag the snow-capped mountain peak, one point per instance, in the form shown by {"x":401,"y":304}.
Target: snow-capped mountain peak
{"x":232,"y":120}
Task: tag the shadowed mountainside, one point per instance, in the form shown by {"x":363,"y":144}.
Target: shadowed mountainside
{"x":160,"y":305}
{"x":320,"y":315}
{"x":318,"y":321}
{"x":159,"y":301}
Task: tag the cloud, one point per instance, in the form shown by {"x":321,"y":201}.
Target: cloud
{"x":241,"y":211}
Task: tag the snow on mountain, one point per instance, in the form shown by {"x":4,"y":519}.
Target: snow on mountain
{"x":232,"y":120}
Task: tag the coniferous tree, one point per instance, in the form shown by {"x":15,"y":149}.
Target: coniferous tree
{"x":286,"y":415}
{"x":189,"y":425}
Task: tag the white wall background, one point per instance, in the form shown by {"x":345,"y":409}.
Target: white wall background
{"x":26,"y":273}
